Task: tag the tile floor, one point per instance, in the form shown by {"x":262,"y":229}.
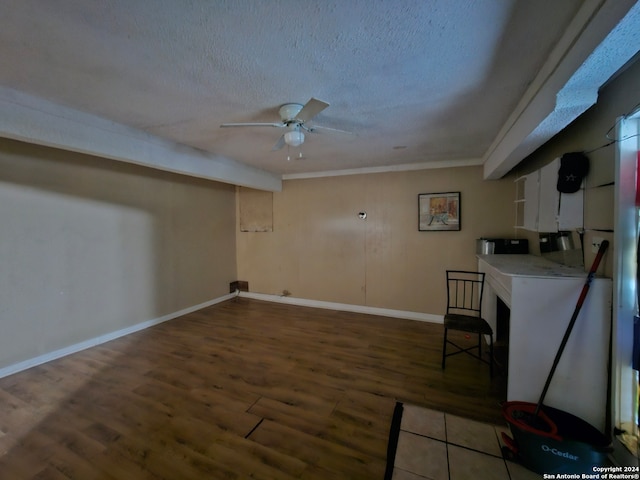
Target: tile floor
{"x":438,"y":446}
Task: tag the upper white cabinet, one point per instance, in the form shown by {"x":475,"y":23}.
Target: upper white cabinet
{"x":531,"y":187}
{"x":548,"y":198}
{"x":540,"y":207}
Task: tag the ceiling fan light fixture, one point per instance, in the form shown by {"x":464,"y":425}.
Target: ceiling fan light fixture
{"x":294,"y":138}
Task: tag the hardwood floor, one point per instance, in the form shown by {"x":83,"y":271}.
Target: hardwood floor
{"x":242,"y":389}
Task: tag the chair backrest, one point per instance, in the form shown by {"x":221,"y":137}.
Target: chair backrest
{"x":464,"y":292}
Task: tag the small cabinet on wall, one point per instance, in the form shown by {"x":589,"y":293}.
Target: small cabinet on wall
{"x":540,"y":207}
{"x":527,"y":195}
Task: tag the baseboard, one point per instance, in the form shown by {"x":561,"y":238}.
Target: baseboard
{"x":345,"y":307}
{"x":63,"y":352}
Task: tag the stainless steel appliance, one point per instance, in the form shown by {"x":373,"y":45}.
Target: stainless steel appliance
{"x":497,"y":246}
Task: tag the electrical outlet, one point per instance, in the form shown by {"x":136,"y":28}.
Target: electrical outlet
{"x":595,"y":244}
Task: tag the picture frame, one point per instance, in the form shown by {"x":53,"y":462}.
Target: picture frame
{"x":438,"y":212}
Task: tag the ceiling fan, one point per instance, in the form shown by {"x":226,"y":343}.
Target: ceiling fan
{"x":293,"y":117}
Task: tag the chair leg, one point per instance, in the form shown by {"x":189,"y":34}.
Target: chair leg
{"x":444,"y":348}
{"x":490,"y":362}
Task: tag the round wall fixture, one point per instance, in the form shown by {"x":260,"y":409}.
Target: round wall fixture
{"x":362,"y":215}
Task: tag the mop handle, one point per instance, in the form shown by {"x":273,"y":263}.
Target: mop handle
{"x":583,"y":295}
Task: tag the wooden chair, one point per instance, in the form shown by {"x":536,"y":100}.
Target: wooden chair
{"x":464,"y":304}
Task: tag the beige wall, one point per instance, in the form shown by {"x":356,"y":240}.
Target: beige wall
{"x":320,"y":250}
{"x":91,"y":246}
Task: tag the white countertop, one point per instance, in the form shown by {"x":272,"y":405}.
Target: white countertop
{"x":530,"y":266}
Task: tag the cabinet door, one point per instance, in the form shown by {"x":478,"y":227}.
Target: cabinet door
{"x":531,"y":197}
{"x":548,"y":202}
{"x":571,"y":210}
{"x":545,"y":209}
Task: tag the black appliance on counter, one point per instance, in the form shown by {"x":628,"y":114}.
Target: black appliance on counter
{"x":497,"y":246}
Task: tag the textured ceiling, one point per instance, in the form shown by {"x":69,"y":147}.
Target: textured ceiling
{"x":414,"y":81}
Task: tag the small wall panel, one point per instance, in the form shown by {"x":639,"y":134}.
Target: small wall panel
{"x":256,"y":210}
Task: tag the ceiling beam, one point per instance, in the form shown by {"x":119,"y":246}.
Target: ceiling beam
{"x":602,"y":37}
{"x":34,"y":120}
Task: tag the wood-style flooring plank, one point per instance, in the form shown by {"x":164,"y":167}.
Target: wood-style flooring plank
{"x":350,"y":462}
{"x":242,"y":389}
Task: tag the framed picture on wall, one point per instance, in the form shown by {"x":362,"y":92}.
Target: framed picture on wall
{"x":438,"y":211}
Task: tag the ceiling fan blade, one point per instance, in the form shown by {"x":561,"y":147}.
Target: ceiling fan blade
{"x":311,"y":109}
{"x":279,"y":144}
{"x":320,"y":127}
{"x":279,"y":125}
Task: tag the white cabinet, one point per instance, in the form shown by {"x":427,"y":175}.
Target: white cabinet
{"x":542,"y":296}
{"x":541,"y":208}
{"x":548,"y":198}
{"x":527,"y":195}
{"x":531,"y":200}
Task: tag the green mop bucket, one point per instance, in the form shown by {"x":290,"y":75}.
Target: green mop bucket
{"x":553,"y":441}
